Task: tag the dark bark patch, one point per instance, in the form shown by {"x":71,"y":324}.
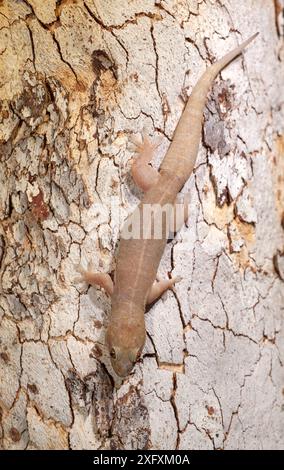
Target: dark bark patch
{"x":39,"y":208}
{"x":15,"y":435}
{"x":5,"y":357}
{"x":32,"y":388}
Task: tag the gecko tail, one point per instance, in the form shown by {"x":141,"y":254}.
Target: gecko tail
{"x":186,"y":138}
{"x":199,"y":93}
{"x":224,"y":61}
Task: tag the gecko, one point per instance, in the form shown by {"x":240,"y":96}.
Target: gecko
{"x":138,"y":258}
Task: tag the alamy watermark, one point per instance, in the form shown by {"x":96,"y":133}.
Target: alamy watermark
{"x":146,"y":222}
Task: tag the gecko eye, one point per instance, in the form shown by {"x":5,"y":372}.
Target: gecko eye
{"x":113,"y":353}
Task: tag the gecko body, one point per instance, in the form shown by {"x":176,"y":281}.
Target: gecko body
{"x":138,"y":258}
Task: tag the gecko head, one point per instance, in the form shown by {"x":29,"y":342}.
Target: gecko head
{"x":123,"y":359}
{"x":125,"y":345}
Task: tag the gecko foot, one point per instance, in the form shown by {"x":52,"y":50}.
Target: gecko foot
{"x":145,"y":147}
{"x":160,"y":286}
{"x":95,"y":279}
{"x":143,"y":174}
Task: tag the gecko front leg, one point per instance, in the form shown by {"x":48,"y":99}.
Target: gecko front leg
{"x":143,"y":173}
{"x":95,"y":279}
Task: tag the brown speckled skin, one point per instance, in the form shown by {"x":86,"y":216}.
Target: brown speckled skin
{"x":138,"y":260}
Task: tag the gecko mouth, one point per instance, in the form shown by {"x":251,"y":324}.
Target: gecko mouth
{"x":124,"y":371}
{"x":123,"y":367}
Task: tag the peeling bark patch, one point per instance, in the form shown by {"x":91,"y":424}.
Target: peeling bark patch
{"x":106,"y":90}
{"x":102,"y":62}
{"x":105,"y":86}
{"x":214,"y":135}
{"x":77,"y":389}
{"x":102,"y":401}
{"x":130,"y":428}
{"x":217,"y":110}
{"x":32,"y":103}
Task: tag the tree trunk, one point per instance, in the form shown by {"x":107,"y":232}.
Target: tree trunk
{"x":78,"y":78}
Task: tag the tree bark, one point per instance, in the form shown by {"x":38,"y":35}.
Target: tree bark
{"x":78,"y":78}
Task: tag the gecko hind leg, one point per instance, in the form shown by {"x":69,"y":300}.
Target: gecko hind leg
{"x":159,"y":287}
{"x":143,"y":174}
{"x":95,"y":279}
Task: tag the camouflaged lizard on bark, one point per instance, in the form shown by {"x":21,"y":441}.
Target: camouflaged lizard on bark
{"x":139,"y":258}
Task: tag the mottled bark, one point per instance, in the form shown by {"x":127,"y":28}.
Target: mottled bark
{"x":77,"y":79}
